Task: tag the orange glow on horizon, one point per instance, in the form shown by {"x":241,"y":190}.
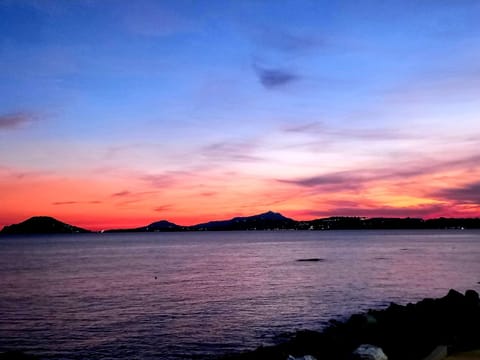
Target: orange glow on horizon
{"x":97,"y":203}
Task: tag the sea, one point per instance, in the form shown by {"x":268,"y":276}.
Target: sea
{"x":198,"y":295}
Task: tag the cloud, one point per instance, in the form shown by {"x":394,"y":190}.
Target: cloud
{"x":167,"y":179}
{"x":358,"y":179}
{"x":317,"y":127}
{"x":310,"y":127}
{"x":65,"y":202}
{"x":208,"y":193}
{"x":275,"y":78}
{"x":397,"y":172}
{"x":159,"y":180}
{"x":345,"y":180}
{"x":15,"y":120}
{"x":122,"y":193}
{"x":230,"y":151}
{"x":75,"y":202}
{"x":128,"y":197}
{"x":467,"y":194}
{"x":162,"y":208}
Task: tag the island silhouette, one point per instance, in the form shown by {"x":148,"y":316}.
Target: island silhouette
{"x":266,"y":221}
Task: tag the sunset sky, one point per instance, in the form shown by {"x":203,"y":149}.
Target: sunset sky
{"x":121,"y":113}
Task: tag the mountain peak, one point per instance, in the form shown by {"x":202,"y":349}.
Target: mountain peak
{"x":264,"y":221}
{"x":162,"y":225}
{"x":272,"y":215}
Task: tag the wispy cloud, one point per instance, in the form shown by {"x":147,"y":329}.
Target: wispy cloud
{"x":159,"y":180}
{"x":230,"y":151}
{"x":168,"y":178}
{"x":121,"y":193}
{"x":65,"y":202}
{"x":73,"y":202}
{"x":15,"y":120}
{"x":320,"y":128}
{"x":163,"y":208}
{"x":208,"y":193}
{"x":347,"y":180}
{"x":398,"y":171}
{"x":273,"y":78}
{"x":309,"y":127}
{"x":127,"y":196}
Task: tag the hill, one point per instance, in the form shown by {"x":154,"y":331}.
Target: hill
{"x":266,"y":221}
{"x":162,"y":225}
{"x":42,"y":225}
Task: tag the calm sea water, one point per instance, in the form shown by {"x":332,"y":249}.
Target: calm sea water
{"x":198,"y":295}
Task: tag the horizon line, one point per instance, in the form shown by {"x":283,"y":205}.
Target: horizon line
{"x":259,"y":214}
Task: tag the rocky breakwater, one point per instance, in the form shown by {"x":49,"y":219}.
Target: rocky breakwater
{"x":403,"y":332}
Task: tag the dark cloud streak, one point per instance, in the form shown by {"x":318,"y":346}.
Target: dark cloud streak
{"x":274,"y":78}
{"x":330,"y":181}
{"x":65,"y":202}
{"x":469,"y":194}
{"x":59,"y":203}
{"x":15,"y":120}
{"x":121,"y":193}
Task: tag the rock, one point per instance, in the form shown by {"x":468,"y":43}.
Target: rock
{"x":16,"y":355}
{"x":311,"y":259}
{"x":472,"y":296}
{"x":369,"y":352}
{"x":439,"y":353}
{"x":454,"y":297}
{"x":408,"y":332}
{"x":305,"y":357}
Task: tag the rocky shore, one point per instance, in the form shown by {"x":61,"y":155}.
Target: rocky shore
{"x":408,"y":332}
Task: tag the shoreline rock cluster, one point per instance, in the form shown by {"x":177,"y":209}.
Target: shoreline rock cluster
{"x":403,"y":332}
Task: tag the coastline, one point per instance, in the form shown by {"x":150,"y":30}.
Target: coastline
{"x":408,"y":332}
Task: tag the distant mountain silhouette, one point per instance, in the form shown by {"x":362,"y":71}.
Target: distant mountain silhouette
{"x":266,"y":221}
{"x":42,"y":225}
{"x":162,"y":225}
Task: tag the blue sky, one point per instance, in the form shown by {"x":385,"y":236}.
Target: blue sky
{"x":240,"y":94}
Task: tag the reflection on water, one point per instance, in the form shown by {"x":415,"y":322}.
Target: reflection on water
{"x":174,"y":296}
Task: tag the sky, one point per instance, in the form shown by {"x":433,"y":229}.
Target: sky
{"x":121,"y":113}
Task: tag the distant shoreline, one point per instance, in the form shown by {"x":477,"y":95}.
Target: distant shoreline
{"x":265,"y":221}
